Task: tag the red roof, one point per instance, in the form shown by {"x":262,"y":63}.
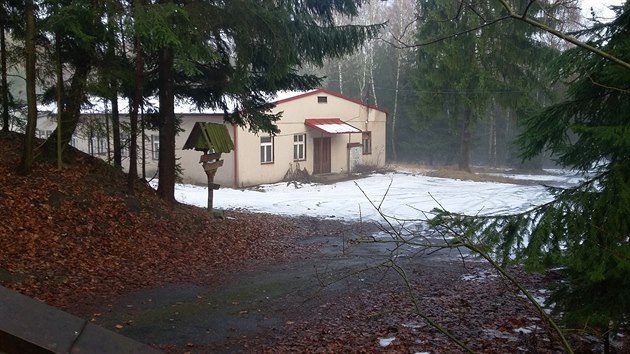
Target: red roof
{"x":331,"y":126}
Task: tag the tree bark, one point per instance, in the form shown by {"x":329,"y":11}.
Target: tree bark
{"x":72,"y":114}
{"x":26,"y":163}
{"x":166,"y":162}
{"x":492,"y":138}
{"x":464,"y":153}
{"x":133,"y":119}
{"x":116,"y":128}
{"x":60,"y":89}
{"x":340,"y":77}
{"x":5,"y":84}
{"x":392,"y":133}
{"x":114,"y":87}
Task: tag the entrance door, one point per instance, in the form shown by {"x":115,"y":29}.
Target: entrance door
{"x":355,"y":156}
{"x":321,"y":155}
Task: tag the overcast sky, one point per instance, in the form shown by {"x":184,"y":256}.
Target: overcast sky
{"x":600,"y":7}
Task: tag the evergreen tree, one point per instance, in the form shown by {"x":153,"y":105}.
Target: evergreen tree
{"x":452,"y":83}
{"x":585,"y":230}
{"x":82,"y":33}
{"x":8,"y":22}
{"x":468,"y":66}
{"x":26,"y":162}
{"x":242,"y":56}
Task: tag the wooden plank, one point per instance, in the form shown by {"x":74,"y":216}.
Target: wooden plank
{"x":212,"y":166}
{"x":209,"y":166}
{"x":210,"y":157}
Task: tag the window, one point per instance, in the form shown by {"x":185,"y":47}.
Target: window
{"x":366,"y":140}
{"x":299,"y":147}
{"x":155,"y":147}
{"x":102,"y":145}
{"x":322,"y":99}
{"x":124,"y":145}
{"x":97,"y":146}
{"x":266,"y":149}
{"x":92,"y":146}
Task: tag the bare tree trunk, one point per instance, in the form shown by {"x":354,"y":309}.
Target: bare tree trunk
{"x":492,"y":138}
{"x":114,"y":89}
{"x":26,"y":163}
{"x":133,"y":118}
{"x":144,"y":143}
{"x":340,"y":76}
{"x":166,"y":162}
{"x":107,"y":135}
{"x":72,"y":114}
{"x":59,"y":100}
{"x":362,"y":82}
{"x":400,"y":11}
{"x":464,"y":156}
{"x":371,"y":52}
{"x":392,"y":133}
{"x":5,"y":84}
{"x":116,"y":129}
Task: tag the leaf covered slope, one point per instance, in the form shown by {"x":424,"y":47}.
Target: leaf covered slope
{"x":77,"y":236}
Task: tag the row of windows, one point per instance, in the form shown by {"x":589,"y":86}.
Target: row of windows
{"x":299,"y":147}
{"x":98,"y":146}
{"x":45,"y":134}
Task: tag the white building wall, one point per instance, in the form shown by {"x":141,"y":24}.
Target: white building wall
{"x":243,"y":167}
{"x":294,"y":113}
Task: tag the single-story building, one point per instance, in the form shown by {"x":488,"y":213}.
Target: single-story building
{"x":321,"y":131}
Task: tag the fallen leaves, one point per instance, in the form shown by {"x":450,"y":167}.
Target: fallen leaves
{"x":75,"y":237}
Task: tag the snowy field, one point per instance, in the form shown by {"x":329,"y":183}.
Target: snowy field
{"x":400,"y":195}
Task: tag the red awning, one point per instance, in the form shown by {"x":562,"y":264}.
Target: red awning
{"x":331,"y":126}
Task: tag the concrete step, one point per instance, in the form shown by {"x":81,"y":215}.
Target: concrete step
{"x":28,"y":326}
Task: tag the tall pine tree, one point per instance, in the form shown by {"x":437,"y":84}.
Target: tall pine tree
{"x":469,"y":63}
{"x":220,"y":53}
{"x":585,"y":230}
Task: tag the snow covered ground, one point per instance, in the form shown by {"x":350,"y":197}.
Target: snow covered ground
{"x":400,"y":195}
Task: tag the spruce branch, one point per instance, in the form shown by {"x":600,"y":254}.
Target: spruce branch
{"x":524,"y":18}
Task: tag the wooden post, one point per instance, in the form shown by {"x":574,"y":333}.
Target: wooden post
{"x":210,"y":189}
{"x":211,"y":164}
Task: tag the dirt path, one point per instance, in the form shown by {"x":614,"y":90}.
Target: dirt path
{"x":343,"y":296}
{"x":260,"y":297}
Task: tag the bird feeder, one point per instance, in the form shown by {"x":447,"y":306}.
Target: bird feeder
{"x":213,"y":139}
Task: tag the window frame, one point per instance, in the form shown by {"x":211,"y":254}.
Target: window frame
{"x":297,"y":143}
{"x":155,"y":146}
{"x":266,"y":150}
{"x":97,"y":145}
{"x":366,"y":143}
{"x":124,"y":145}
{"x":322,"y":99}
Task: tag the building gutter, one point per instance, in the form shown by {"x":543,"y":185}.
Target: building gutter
{"x":235,"y":155}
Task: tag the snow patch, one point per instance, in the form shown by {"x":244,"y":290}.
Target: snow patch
{"x":408,"y":201}
{"x":384,"y":342}
{"x":496,"y":334}
{"x":480,"y":276}
{"x":523,"y":330}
